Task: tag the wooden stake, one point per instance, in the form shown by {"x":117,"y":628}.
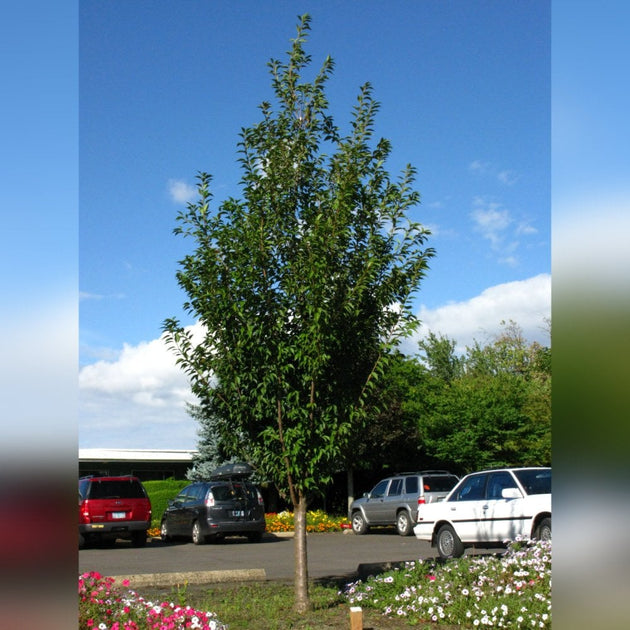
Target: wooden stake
{"x":356,"y":618}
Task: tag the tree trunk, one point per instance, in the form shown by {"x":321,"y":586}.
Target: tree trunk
{"x":350,"y":487}
{"x":302,"y":602}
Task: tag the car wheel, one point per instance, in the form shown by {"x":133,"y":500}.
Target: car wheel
{"x":138,"y":539}
{"x":403,"y":523}
{"x":543,"y":531}
{"x":254,"y":537}
{"x":197,"y":537}
{"x":164,"y":533}
{"x":359,"y":526}
{"x":448,"y":543}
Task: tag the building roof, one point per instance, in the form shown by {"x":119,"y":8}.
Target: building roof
{"x":131,"y":454}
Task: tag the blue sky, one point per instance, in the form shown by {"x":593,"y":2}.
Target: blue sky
{"x":164,"y":91}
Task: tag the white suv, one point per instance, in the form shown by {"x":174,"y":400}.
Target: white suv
{"x":488,"y":508}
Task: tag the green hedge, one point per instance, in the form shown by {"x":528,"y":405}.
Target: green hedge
{"x":160,"y":492}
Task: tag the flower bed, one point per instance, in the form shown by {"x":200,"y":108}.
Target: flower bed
{"x":509,"y":591}
{"x":103,"y":606}
{"x":316,"y":521}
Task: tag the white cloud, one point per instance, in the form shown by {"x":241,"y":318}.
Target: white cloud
{"x":505,"y":176}
{"x":526,"y":302}
{"x":477,"y":166}
{"x":137,"y":400}
{"x":180,"y":191}
{"x":490,"y":220}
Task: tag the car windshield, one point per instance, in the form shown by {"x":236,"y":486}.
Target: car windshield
{"x":116,"y":489}
{"x":535,"y":481}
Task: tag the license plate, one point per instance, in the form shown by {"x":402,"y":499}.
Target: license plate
{"x":238,"y":513}
{"x":119,"y":514}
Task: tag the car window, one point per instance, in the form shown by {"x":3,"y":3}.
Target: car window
{"x":229,"y":491}
{"x":379,"y":489}
{"x":83,"y":488}
{"x":411,"y":485}
{"x":497,"y":482}
{"x":442,"y":483}
{"x":472,"y":489}
{"x":395,"y":487}
{"x":535,"y":481}
{"x":185,"y":494}
{"x":116,"y":489}
{"x":197,"y":492}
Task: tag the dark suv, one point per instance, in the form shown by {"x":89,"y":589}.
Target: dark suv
{"x":226,"y":505}
{"x":113,"y":507}
{"x":395,"y":500}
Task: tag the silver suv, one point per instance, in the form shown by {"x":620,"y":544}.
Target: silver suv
{"x":395,"y":500}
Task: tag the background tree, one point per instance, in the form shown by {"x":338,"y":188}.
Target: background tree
{"x":303,"y":286}
{"x":497,"y":412}
{"x":210,"y":451}
{"x":438,"y":354}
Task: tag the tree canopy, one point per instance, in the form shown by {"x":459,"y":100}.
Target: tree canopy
{"x":303,"y":285}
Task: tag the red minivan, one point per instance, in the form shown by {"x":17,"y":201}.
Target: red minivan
{"x":111,"y":508}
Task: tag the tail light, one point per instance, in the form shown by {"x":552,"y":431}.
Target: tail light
{"x":84,"y":513}
{"x":260,"y":499}
{"x":209,"y":499}
{"x":421,"y":501}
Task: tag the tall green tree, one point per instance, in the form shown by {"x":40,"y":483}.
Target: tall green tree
{"x":303,"y":285}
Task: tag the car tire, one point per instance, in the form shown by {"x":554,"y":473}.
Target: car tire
{"x":164,"y":533}
{"x":254,"y":537}
{"x":359,"y":526}
{"x":138,"y":539}
{"x":543,"y":531}
{"x":403,"y":523}
{"x":197,"y":537}
{"x":448,"y":543}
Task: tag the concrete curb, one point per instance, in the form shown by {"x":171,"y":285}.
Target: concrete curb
{"x":191,"y":577}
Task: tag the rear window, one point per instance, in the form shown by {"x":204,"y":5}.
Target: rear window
{"x":116,"y":489}
{"x":442,"y":483}
{"x":228,"y":492}
{"x":535,"y":481}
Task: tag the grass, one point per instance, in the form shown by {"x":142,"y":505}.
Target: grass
{"x":503,"y":591}
{"x":269,"y":606}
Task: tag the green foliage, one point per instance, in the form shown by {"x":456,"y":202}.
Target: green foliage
{"x":303,"y":285}
{"x":497,"y":412}
{"x":440,"y":358}
{"x":390,"y":439}
{"x":160,"y":491}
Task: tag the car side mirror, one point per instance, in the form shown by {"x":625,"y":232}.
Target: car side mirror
{"x":366,"y":495}
{"x":511,"y":493}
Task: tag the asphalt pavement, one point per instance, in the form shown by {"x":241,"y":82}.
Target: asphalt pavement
{"x":338,"y":556}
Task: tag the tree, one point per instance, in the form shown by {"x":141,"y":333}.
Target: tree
{"x":210,"y":452}
{"x":440,"y":358}
{"x":496,"y":412}
{"x":303,"y":286}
